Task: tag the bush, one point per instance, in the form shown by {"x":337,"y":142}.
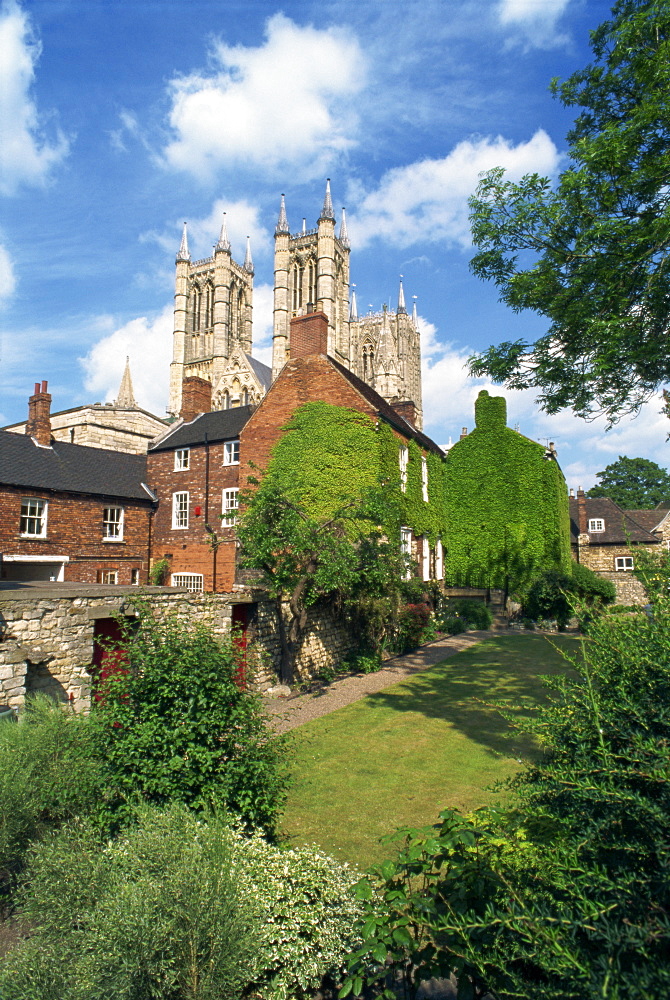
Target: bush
{"x":179,"y":908}
{"x":476,"y":614}
{"x":556,"y":596}
{"x":412,"y":621}
{"x":175,"y":726}
{"x":453,"y":625}
{"x":49,"y":772}
{"x":154,"y":915}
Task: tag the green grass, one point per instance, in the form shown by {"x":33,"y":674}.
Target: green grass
{"x":398,"y":757}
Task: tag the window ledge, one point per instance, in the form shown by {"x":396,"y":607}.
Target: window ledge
{"x":113,"y":541}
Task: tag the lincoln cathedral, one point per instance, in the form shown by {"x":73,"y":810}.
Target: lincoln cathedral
{"x":213,"y":317}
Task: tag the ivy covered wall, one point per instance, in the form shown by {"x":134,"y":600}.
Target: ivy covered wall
{"x":330,"y":455}
{"x":506,"y":505}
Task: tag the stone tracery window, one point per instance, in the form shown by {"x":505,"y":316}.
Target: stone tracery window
{"x":368,"y":359}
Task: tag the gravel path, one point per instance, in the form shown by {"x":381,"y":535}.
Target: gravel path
{"x":296,"y":709}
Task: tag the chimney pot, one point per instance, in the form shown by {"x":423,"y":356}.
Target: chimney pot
{"x":37,"y":388}
{"x":44,"y":386}
{"x":464,"y":433}
{"x":38,"y":425}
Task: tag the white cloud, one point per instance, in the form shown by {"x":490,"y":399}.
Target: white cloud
{"x":427,"y":200}
{"x":148,"y":343}
{"x":7,"y":277}
{"x":26,"y":157}
{"x":584,"y":448}
{"x":288,"y":101}
{"x":242,"y":220}
{"x":535,"y":21}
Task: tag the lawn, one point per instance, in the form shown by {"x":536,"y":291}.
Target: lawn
{"x":398,"y":757}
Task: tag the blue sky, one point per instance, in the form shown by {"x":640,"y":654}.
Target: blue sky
{"x":118,"y":121}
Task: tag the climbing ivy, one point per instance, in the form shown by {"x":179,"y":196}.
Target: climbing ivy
{"x":506,"y":505}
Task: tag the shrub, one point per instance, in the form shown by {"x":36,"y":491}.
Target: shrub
{"x":153,"y":915}
{"x":454,"y":625}
{"x":48,"y":773}
{"x":555,"y":595}
{"x":175,"y":726}
{"x":179,"y":908}
{"x":475,"y":613}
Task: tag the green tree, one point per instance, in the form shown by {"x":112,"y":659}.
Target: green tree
{"x":591,"y":254}
{"x":633,"y":483}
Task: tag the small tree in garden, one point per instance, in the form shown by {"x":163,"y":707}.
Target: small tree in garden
{"x":175,"y":726}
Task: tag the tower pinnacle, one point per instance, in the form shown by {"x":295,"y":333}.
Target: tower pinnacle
{"x":401,"y":298}
{"x":125,"y":396}
{"x":353,"y":308}
{"x":183,"y":253}
{"x":327,"y":210}
{"x":282,"y":227}
{"x":248,"y":262}
{"x":344,"y":235}
{"x":224,"y":242}
{"x":414,"y":314}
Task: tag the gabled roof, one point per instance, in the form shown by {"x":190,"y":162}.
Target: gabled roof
{"x":649,"y":519}
{"x":620,"y":526}
{"x":71,"y":468}
{"x":219,"y":425}
{"x":262,"y":372}
{"x":386,"y":411}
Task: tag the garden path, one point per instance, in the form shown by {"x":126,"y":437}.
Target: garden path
{"x":296,"y":709}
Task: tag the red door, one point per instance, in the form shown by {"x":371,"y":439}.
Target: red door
{"x":240,"y":620}
{"x":109,"y":654}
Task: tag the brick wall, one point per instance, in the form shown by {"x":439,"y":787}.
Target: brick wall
{"x":74,"y":528}
{"x":189,"y":549}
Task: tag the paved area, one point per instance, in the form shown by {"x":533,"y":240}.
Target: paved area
{"x":296,"y":709}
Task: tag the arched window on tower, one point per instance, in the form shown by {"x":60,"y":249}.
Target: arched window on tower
{"x":368,"y":360}
{"x":209,"y":305}
{"x":311,"y":284}
{"x":196,"y":299}
{"x":241,"y":313}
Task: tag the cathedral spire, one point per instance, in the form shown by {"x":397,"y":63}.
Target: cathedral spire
{"x":401,"y":298}
{"x":353,"y":308}
{"x":248,"y":262}
{"x":344,"y":235}
{"x":327,"y":210}
{"x":183,"y":253}
{"x":282,"y":227}
{"x":125,"y":396}
{"x":224,"y":242}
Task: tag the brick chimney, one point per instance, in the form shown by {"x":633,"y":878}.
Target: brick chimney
{"x":309,"y":335}
{"x":196,"y":397}
{"x":38,"y":425}
{"x":406,"y":409}
{"x":464,"y":433}
{"x":581,"y":508}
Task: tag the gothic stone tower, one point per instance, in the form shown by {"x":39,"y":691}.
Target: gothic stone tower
{"x":212,"y":325}
{"x":312,"y":273}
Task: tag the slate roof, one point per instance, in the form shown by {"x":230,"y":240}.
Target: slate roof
{"x":219,"y":425}
{"x":385,"y":409}
{"x":262,"y":372}
{"x":71,"y":468}
{"x":620,"y":526}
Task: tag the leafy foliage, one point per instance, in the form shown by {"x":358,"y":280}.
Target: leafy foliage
{"x":507,"y":505}
{"x":175,"y":726}
{"x":179,"y":908}
{"x":600,"y":240}
{"x":633,"y":483}
{"x":49,"y":772}
{"x":559,"y":596}
{"x":475,"y":614}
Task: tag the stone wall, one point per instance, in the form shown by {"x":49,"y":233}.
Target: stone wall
{"x":602,"y":560}
{"x":47,"y":636}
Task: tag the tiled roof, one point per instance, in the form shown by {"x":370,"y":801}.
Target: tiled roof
{"x":648,"y":519}
{"x":386,"y":411}
{"x":219,"y":425}
{"x":262,"y":372}
{"x":620,"y":526}
{"x":71,"y":468}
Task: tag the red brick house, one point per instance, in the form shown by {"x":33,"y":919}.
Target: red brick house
{"x":68,"y":512}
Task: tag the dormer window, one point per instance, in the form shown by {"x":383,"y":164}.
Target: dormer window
{"x":596,"y":524}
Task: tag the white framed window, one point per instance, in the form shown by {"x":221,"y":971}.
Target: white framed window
{"x":425,"y":558}
{"x":424,"y":478}
{"x":191,"y":581}
{"x":112,"y":524}
{"x":180,"y":510}
{"x":406,"y":549}
{"x":403,"y":459}
{"x":231,"y":452}
{"x":135,"y":577}
{"x":624,"y":564}
{"x":33,"y":518}
{"x":182,"y":459}
{"x":229,"y":508}
{"x":109,"y":576}
{"x":596,"y":524}
{"x":439,"y":560}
